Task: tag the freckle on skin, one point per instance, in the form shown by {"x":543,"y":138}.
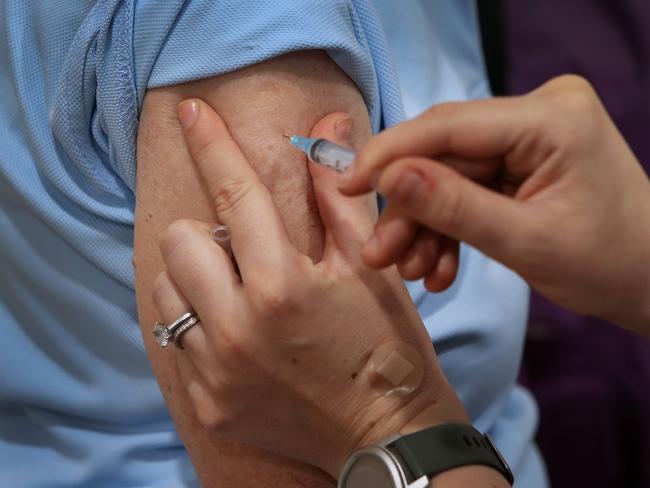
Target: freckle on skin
{"x":354,"y":375}
{"x":294,"y":360}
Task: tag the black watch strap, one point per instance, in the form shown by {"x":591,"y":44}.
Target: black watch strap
{"x":443,"y":447}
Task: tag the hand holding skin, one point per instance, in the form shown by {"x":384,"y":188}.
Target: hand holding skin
{"x":278,"y":360}
{"x":543,"y":183}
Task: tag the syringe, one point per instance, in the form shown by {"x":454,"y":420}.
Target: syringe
{"x":324,"y":152}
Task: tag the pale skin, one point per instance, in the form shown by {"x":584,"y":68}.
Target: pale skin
{"x":287,"y":94}
{"x":552,"y":173}
{"x":544,"y":183}
{"x":289,"y":333}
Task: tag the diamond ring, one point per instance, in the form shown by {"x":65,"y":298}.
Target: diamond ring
{"x":163,"y":333}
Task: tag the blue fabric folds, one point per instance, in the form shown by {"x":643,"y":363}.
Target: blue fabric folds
{"x":124,"y":47}
{"x":79,"y":405}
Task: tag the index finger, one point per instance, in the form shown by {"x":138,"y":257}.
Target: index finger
{"x":242,"y":202}
{"x":473,"y":130}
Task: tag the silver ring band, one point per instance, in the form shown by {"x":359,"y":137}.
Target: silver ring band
{"x":184,"y":327}
{"x":163,"y":333}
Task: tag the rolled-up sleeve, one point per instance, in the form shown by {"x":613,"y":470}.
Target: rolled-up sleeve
{"x":206,"y":38}
{"x":126,"y":47}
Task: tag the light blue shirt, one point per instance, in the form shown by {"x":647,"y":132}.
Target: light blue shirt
{"x":478,"y":325}
{"x":78,"y":402}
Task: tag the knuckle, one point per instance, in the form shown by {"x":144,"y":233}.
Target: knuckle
{"x":230,"y":195}
{"x":206,"y":417}
{"x":451,"y":213}
{"x":572,"y":82}
{"x":575,"y":95}
{"x":573,"y":105}
{"x":207,"y":413}
{"x":580,"y":102}
{"x":274,"y":299}
{"x":442,"y":110}
{"x":214,"y":419}
{"x":273,"y":296}
{"x":227,"y":420}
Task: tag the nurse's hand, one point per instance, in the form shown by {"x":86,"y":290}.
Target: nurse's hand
{"x":280,"y":357}
{"x":543,"y":183}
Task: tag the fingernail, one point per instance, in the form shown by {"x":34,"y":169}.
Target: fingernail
{"x":406,"y":191}
{"x":187,"y":112}
{"x":343,"y":129}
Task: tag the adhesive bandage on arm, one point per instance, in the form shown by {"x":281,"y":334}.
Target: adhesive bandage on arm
{"x":395,"y":367}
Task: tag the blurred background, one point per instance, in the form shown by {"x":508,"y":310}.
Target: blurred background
{"x":591,"y":379}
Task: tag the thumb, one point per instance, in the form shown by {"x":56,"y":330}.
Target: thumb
{"x":443,"y":200}
{"x":348,"y":221}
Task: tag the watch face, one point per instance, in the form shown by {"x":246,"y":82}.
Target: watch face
{"x":370,"y":471}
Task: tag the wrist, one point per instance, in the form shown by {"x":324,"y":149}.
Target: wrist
{"x":420,"y":412}
{"x":414,"y":414}
{"x":447,"y":409}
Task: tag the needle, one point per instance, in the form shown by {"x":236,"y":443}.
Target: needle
{"x":325,"y":153}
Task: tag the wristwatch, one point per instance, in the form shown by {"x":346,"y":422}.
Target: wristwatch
{"x":410,"y":461}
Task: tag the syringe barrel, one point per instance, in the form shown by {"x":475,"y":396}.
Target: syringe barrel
{"x":332,"y":155}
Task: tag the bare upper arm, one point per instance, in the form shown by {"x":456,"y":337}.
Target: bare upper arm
{"x":259,"y":104}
